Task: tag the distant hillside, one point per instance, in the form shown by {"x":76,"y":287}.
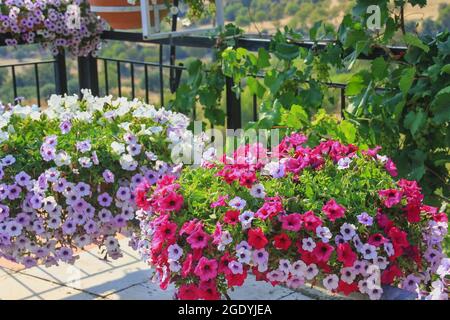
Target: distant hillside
{"x":267,"y":16}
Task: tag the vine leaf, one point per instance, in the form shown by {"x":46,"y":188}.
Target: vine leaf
{"x":256,"y":87}
{"x":441,"y":106}
{"x":415,"y":120}
{"x":413,"y":40}
{"x":406,"y":80}
{"x":379,"y":68}
{"x":348,"y":130}
{"x":446,"y":69}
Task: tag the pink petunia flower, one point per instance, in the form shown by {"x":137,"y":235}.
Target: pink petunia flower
{"x":390,"y":197}
{"x":198,"y":239}
{"x":291,"y":222}
{"x":333,"y":210}
{"x":206,"y":269}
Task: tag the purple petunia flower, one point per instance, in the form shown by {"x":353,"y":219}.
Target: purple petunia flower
{"x":4,"y":212}
{"x":65,"y":126}
{"x":52,"y":175}
{"x":65,"y":254}
{"x":22,"y":179}
{"x":69,"y":227}
{"x":8,"y":160}
{"x":48,"y":153}
{"x":36,"y":201}
{"x":104,"y":199}
{"x":151,"y":176}
{"x":123,"y":194}
{"x":13,"y":229}
{"x":83,"y":189}
{"x":105,"y":215}
{"x":120,"y":221}
{"x":90,"y":227}
{"x":108,"y":176}
{"x":84,"y":146}
{"x":60,"y":185}
{"x":260,"y":256}
{"x":14,"y":192}
{"x":174,"y":252}
{"x":365,"y":219}
{"x":235,"y":267}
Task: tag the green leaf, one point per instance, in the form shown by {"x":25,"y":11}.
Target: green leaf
{"x":194,"y":70}
{"x":309,"y":192}
{"x":353,"y":36}
{"x":379,"y":68}
{"x":273,"y":80}
{"x":256,"y":88}
{"x":355,"y":85}
{"x":313,"y":96}
{"x":444,"y":47}
{"x":440,"y":106}
{"x":417,"y":173}
{"x":390,"y":29}
{"x":421,"y":3}
{"x":314,"y":29}
{"x":417,"y":156}
{"x":415,"y":120}
{"x":286,"y":51}
{"x":296,"y":117}
{"x":263,"y":58}
{"x":349,"y":131}
{"x":446,"y":69}
{"x":407,"y":79}
{"x":413,"y":40}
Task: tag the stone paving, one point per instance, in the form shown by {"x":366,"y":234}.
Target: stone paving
{"x":94,"y":278}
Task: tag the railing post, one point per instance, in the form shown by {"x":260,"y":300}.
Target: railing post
{"x":233,"y":106}
{"x":88,"y":74}
{"x":60,"y":73}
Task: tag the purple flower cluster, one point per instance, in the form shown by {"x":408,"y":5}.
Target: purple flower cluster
{"x":69,"y":191}
{"x":55,"y":24}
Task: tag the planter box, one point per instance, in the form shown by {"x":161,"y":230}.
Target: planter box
{"x":389,"y":293}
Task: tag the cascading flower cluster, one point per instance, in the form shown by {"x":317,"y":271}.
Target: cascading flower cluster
{"x":330,"y":215}
{"x":68,"y":173}
{"x":55,"y":24}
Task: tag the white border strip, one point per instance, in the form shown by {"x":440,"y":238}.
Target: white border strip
{"x":106,"y":9}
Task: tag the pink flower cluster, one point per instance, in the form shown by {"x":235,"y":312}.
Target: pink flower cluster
{"x":251,"y":229}
{"x":55,"y":24}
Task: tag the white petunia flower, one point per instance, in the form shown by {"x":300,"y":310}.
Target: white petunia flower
{"x":118,"y":148}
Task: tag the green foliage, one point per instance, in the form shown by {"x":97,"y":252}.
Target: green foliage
{"x":413,"y":110}
{"x":356,"y":189}
{"x":408,"y":117}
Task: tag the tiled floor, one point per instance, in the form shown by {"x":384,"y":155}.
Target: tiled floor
{"x":94,"y":278}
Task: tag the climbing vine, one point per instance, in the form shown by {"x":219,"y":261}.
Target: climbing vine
{"x":398,"y":100}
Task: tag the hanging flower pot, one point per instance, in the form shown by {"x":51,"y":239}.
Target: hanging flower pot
{"x":121,"y":14}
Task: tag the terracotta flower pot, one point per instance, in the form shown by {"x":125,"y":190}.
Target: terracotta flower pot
{"x":121,"y":15}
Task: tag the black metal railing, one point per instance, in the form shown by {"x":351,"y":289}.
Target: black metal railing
{"x":89,"y":76}
{"x":118,"y":63}
{"x":60,"y":75}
